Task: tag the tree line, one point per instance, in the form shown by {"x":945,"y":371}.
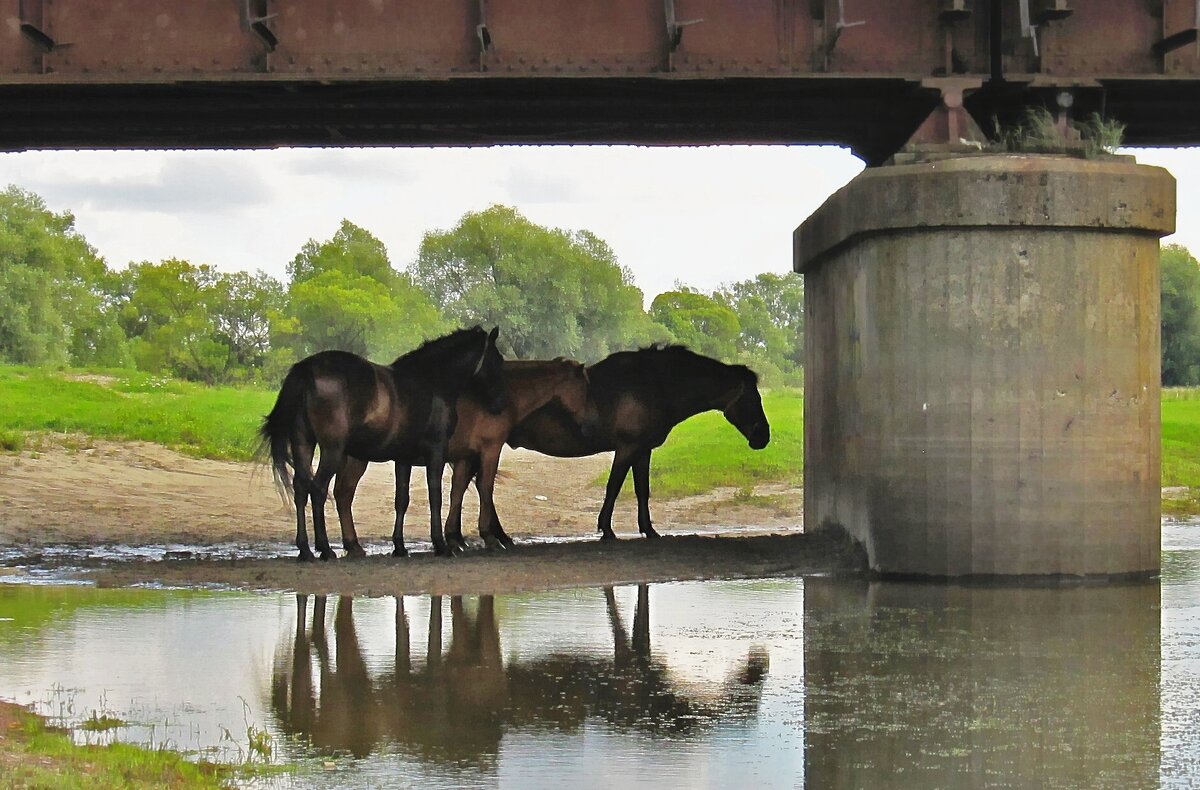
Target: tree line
{"x":554,"y":292}
{"x":1179,"y":273}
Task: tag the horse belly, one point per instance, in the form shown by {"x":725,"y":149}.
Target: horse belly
{"x":559,"y":445}
{"x":476,"y":432}
{"x":629,"y":418}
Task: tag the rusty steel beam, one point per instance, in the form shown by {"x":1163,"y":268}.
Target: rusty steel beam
{"x":75,"y":73}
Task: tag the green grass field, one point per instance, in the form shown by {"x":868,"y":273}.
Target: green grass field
{"x":1181,"y":443}
{"x":706,"y":452}
{"x":221,"y":422}
{"x":209,"y":422}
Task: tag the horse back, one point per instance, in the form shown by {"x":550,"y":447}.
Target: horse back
{"x":356,"y":402}
{"x":531,"y":384}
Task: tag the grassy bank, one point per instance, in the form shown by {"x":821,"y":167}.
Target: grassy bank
{"x":706,"y":452}
{"x":33,"y":755}
{"x":1181,"y":449}
{"x":209,"y":422}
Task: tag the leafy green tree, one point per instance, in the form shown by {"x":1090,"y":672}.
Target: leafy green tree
{"x":242,"y":307}
{"x":344,"y":294}
{"x":169,"y":315}
{"x":1180,"y":284}
{"x":698,"y":321}
{"x":54,"y":289}
{"x":554,"y":292}
{"x":339,"y":310}
{"x":770,"y":311}
{"x":352,"y":251}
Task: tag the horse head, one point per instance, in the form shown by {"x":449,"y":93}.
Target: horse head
{"x":745,"y":410}
{"x":489,"y":374}
{"x":572,"y":394}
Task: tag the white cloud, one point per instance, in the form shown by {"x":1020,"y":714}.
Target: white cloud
{"x":702,"y":216}
{"x":1184,"y":164}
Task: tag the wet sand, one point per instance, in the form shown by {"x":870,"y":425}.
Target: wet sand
{"x":110,"y":494}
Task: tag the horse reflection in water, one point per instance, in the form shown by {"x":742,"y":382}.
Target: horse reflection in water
{"x":458,"y":705}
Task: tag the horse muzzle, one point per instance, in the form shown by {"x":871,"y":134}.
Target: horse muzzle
{"x":760,"y":438}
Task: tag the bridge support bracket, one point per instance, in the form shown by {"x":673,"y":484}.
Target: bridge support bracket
{"x":949,"y":130}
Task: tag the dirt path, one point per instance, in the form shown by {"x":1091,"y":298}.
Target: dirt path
{"x":141,"y":494}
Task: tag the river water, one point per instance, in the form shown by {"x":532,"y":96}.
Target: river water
{"x":776,"y":683}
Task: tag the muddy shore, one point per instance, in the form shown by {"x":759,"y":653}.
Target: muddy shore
{"x":122,"y":495}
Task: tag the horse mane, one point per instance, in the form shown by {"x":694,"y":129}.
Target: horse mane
{"x":433,"y":350}
{"x":680,"y":357}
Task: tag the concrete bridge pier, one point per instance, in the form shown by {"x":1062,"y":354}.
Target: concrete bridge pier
{"x":982,"y":389}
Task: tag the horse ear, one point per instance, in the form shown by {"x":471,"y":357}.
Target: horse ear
{"x":493,"y":335}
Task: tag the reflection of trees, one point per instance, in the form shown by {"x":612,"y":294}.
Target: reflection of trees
{"x":457,"y":706}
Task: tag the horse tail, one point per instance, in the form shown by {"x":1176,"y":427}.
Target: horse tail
{"x":277,"y":427}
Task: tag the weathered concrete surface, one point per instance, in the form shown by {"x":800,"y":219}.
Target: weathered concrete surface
{"x":983,"y":365}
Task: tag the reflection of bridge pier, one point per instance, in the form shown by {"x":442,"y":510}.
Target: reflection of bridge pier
{"x":457,"y":705}
{"x":913,"y":685}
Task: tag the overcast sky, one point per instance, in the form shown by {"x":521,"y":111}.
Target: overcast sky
{"x":700,"y":216}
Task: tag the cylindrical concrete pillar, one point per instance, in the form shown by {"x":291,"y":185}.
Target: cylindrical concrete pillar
{"x":982,"y":382}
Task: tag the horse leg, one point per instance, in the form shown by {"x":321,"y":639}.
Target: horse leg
{"x":463,"y":470}
{"x":344,"y":486}
{"x":616,"y":479}
{"x":489,"y":462}
{"x":332,"y":459}
{"x":301,"y":487}
{"x":495,"y":527}
{"x":403,"y":477}
{"x":641,"y":486}
{"x":497,"y":530}
{"x":433,"y":476}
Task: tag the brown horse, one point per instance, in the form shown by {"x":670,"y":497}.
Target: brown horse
{"x":637,"y":397}
{"x":403,"y":412}
{"x":475,"y":447}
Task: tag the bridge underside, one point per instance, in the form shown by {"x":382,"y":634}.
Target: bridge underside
{"x":262,"y":73}
{"x":873,"y":116}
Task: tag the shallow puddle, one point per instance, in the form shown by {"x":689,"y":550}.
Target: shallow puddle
{"x":777,"y":683}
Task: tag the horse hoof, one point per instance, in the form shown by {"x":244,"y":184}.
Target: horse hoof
{"x":493,"y":544}
{"x":607,"y":535}
{"x":650,"y":533}
{"x":442,"y":550}
{"x":306,"y":556}
{"x":399,"y":551}
{"x":328,"y":554}
{"x":355,"y":551}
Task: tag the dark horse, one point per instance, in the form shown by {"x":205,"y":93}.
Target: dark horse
{"x":638,"y":397}
{"x":474,"y":447}
{"x":403,"y":412}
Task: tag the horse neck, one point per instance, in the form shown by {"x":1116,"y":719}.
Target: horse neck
{"x":446,"y":361}
{"x":706,"y":392}
{"x":536,"y":388}
{"x":443,"y":376}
